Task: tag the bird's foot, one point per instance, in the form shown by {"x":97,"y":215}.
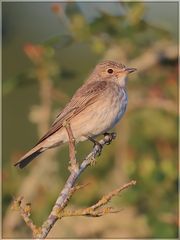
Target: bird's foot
{"x":109,"y":137}
{"x":93,"y":161}
{"x":97,"y":146}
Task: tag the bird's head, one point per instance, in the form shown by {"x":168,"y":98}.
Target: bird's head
{"x":111,"y":71}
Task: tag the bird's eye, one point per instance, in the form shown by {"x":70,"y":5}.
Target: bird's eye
{"x":110,"y":70}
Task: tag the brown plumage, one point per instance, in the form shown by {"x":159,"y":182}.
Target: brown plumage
{"x":95,"y":108}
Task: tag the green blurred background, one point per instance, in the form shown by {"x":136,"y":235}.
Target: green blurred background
{"x":48,"y":50}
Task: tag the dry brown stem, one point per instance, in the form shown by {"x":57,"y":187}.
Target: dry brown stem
{"x":96,"y":210}
{"x":25,"y":212}
{"x":72,"y":152}
{"x":67,"y":191}
{"x":88,"y":212}
{"x":105,"y":199}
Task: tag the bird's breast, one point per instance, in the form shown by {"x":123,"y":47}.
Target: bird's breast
{"x":101,"y":116}
{"x":119,"y":104}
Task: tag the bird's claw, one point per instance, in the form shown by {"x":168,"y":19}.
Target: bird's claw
{"x":98,"y":148}
{"x":92,"y":161}
{"x":109,"y":137}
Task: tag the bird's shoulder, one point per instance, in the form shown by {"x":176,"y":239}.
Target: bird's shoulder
{"x":91,"y":88}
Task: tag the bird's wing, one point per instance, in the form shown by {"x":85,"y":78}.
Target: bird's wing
{"x":84,"y":97}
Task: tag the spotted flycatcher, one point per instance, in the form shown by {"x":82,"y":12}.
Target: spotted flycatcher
{"x":93,"y":110}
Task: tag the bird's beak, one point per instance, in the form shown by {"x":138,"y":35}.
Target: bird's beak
{"x":130,"y":70}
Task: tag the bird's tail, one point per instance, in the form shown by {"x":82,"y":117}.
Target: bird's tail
{"x":29,"y":156}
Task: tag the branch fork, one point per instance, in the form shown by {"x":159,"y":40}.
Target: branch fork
{"x":58,"y":210}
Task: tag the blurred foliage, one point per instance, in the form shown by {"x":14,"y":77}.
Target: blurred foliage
{"x":152,"y":136}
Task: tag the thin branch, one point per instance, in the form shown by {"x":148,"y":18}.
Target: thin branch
{"x":66,"y":193}
{"x":25,"y":212}
{"x":105,"y":199}
{"x":88,"y":212}
{"x":72,"y":152}
{"x":96,"y":210}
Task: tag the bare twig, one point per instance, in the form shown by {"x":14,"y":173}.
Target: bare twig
{"x":58,"y":212}
{"x":96,"y":210}
{"x":25,"y":212}
{"x":88,"y":212}
{"x":104,"y":200}
{"x":66,"y":193}
{"x":68,"y":190}
{"x":72,"y":152}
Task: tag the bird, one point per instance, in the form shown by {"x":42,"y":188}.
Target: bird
{"x":95,"y":108}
